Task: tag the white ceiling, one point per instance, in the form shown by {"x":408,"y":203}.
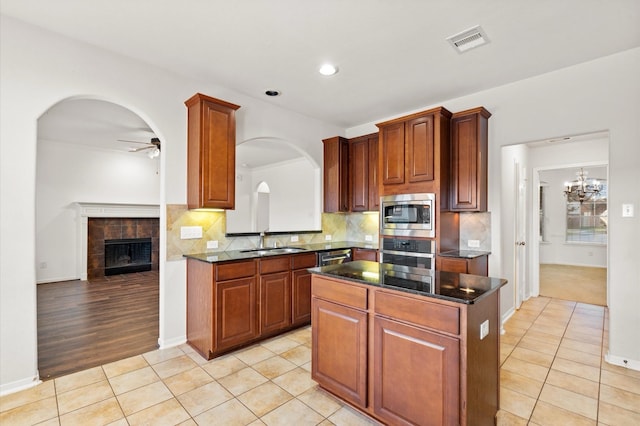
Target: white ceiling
{"x":393,"y":55}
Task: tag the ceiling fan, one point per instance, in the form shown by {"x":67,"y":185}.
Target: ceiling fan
{"x":153,"y":146}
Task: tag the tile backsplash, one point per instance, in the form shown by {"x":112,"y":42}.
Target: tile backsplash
{"x":341,"y":227}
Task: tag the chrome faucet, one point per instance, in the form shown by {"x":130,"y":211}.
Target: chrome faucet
{"x":261,"y":242}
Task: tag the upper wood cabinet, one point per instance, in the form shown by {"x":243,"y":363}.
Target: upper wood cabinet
{"x":211,"y":158}
{"x":336,"y":175}
{"x":363,"y":173}
{"x":412,"y":150}
{"x":469,"y":141}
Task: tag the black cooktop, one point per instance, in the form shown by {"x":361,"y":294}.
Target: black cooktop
{"x":451,"y":286}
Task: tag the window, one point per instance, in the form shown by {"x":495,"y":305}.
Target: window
{"x":587,"y":221}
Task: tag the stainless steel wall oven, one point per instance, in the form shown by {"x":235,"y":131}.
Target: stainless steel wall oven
{"x":417,"y":253}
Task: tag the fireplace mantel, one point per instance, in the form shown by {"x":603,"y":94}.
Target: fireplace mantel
{"x":116,"y":210}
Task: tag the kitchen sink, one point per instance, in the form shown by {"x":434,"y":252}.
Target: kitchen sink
{"x":274,"y":250}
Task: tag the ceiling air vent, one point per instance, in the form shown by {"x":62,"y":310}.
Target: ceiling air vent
{"x":468,"y":39}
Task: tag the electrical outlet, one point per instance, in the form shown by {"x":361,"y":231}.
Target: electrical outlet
{"x":484,"y":329}
{"x":294,"y":238}
{"x":190,"y":232}
{"x":212,"y":244}
{"x":627,"y":210}
{"x":327,"y":237}
{"x":368,"y":237}
{"x":473,"y":243}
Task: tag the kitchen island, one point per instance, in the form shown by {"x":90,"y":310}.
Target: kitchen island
{"x":405,"y":345}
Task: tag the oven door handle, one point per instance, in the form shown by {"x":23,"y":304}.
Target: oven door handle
{"x":328,"y":259}
{"x":408,"y":253}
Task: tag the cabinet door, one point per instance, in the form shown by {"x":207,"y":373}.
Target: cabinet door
{"x":339,"y":359}
{"x":235,"y":312}
{"x":448,"y":264}
{"x":469,"y":160}
{"x":359,"y":174}
{"x":211,"y":153}
{"x":392,"y":154}
{"x":336,"y":175}
{"x":416,"y":375}
{"x":300,"y":297}
{"x":374,"y":194}
{"x":419,"y":155}
{"x":275,"y":302}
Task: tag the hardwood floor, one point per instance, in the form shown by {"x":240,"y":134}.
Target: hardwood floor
{"x":578,"y":283}
{"x":83,"y":324}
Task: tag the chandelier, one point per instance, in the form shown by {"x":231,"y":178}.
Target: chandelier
{"x":582,"y":188}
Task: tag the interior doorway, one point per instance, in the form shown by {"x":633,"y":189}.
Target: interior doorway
{"x":567,"y":152}
{"x":92,"y":152}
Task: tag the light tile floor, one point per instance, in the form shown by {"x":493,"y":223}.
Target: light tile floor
{"x":552,"y":373}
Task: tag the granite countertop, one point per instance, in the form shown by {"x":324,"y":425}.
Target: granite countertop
{"x":460,"y":288}
{"x":225,"y":256}
{"x":464,"y":254}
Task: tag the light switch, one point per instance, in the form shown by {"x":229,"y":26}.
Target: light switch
{"x":627,"y":210}
{"x":473,"y":243}
{"x":484,"y":329}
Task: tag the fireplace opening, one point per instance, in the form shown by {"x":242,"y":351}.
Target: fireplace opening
{"x":127,"y":255}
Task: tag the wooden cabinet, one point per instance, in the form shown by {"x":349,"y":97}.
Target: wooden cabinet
{"x":275,"y":297}
{"x":339,"y":340}
{"x":301,"y":288}
{"x":421,"y":360}
{"x":425,"y":363}
{"x":364,"y":254}
{"x":233,"y":304}
{"x":363,"y":173}
{"x":476,"y":266}
{"x":469,"y":143}
{"x":412,"y":150}
{"x":211,"y":152}
{"x":336,"y":175}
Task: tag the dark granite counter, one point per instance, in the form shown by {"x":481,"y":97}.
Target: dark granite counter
{"x":464,"y":254}
{"x":226,"y":256}
{"x":460,"y":288}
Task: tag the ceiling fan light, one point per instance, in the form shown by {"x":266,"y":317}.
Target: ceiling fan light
{"x":154,"y":153}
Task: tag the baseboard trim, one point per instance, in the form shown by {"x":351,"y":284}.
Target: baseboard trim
{"x":505,"y":318}
{"x":165,"y":344}
{"x":19,"y":385}
{"x":631,"y":364}
{"x":56,"y":279}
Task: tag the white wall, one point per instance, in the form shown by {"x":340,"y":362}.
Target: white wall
{"x":599,"y":95}
{"x":69,"y":173}
{"x":555,"y":249}
{"x":39,"y":69}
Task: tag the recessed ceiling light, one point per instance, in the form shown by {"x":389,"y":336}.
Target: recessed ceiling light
{"x":328,"y":69}
{"x":272,"y":92}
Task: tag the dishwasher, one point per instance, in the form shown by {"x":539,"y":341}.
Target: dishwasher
{"x":334,"y":257}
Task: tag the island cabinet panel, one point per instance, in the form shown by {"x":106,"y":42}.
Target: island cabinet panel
{"x":236,"y":312}
{"x":416,"y":375}
{"x":469,"y":143}
{"x":339,"y":359}
{"x":336,"y":175}
{"x":200,"y":307}
{"x":211,"y":147}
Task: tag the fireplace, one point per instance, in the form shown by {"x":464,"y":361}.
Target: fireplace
{"x":124,"y":256}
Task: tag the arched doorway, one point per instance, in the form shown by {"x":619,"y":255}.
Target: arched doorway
{"x":94,"y":153}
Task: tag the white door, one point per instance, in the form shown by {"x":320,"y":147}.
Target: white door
{"x":520,"y":221}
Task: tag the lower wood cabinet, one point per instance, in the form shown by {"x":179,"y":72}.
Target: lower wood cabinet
{"x":406,"y":359}
{"x":235,"y":312}
{"x":365,"y":254}
{"x":475,"y":266}
{"x":415,"y":375}
{"x":233,"y":304}
{"x":339,"y":358}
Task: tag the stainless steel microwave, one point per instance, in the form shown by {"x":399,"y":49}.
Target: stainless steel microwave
{"x":408,"y":215}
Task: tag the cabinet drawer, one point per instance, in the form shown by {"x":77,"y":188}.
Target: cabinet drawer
{"x":453,"y":265}
{"x":275,"y":264}
{"x":338,"y":292}
{"x":419,"y":312}
{"x":230,"y":271}
{"x":306,"y":260}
